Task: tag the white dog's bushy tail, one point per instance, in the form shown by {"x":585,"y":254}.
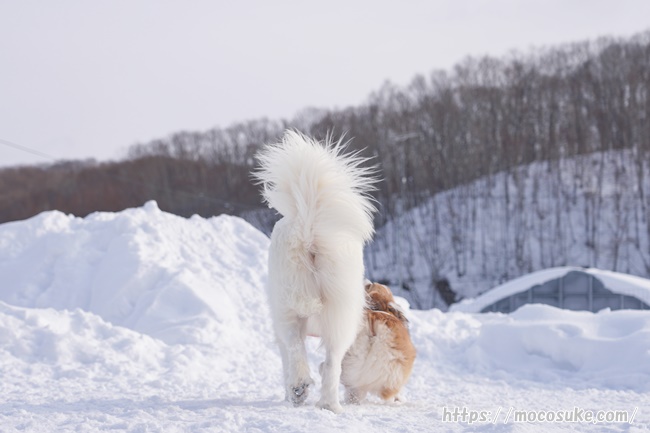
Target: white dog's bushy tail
{"x":322,"y":190}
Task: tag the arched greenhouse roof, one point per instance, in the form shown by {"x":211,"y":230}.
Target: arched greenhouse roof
{"x":616,"y":282}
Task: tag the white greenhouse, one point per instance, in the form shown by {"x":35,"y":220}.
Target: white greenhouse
{"x":572,"y":288}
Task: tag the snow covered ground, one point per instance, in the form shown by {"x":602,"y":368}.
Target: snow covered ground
{"x":143,"y":321}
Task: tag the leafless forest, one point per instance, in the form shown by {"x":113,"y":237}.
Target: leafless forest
{"x":485,"y":118}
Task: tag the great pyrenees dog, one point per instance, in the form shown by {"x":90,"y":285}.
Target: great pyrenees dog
{"x":316,"y":271}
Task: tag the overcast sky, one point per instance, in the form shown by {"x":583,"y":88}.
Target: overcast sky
{"x":88,"y":78}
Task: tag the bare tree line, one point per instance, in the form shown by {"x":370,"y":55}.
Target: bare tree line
{"x":484,"y":119}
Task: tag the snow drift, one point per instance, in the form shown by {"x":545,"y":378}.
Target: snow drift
{"x":540,"y":343}
{"x":145,"y":321}
{"x":178,"y":280}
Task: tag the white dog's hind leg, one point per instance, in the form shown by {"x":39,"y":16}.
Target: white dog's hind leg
{"x":339,"y":332}
{"x":331,"y":375}
{"x":291,"y":339}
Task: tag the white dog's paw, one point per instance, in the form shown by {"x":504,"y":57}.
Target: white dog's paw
{"x":297,"y":394}
{"x":331,"y":406}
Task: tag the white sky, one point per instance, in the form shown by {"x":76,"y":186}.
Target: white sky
{"x":82,"y":78}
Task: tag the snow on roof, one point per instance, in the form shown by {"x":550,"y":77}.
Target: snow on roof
{"x":616,"y":282}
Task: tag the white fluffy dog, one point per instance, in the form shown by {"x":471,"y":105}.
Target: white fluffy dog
{"x":316,"y":270}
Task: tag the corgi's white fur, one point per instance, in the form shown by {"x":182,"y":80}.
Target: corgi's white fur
{"x":316,"y":255}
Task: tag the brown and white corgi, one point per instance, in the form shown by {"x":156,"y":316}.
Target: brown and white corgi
{"x":381,"y":358}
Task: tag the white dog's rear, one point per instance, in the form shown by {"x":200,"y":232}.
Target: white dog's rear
{"x":316,"y":270}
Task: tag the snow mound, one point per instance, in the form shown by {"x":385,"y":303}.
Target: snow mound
{"x":180,"y":281}
{"x":72,"y":340}
{"x":541,"y":343}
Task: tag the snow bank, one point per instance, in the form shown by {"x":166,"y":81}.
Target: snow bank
{"x":71,"y":340}
{"x":540,"y":343}
{"x":178,"y":280}
{"x":140,"y":303}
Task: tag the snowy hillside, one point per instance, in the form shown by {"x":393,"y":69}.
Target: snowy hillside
{"x":144,"y":321}
{"x":582,"y":211}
